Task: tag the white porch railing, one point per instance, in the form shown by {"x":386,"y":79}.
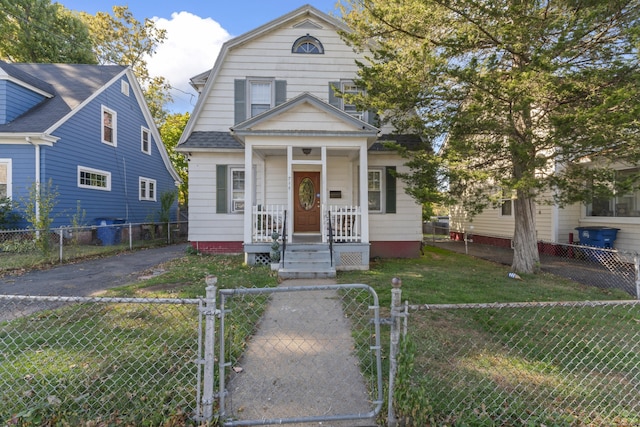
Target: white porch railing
{"x":265,"y":221}
{"x":345,"y":222}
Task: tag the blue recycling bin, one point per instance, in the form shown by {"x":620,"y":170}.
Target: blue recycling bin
{"x":109,"y":231}
{"x":599,"y":237}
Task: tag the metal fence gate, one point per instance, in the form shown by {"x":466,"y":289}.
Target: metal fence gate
{"x":299,"y":354}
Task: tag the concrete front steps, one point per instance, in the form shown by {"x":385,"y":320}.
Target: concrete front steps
{"x":307,"y":261}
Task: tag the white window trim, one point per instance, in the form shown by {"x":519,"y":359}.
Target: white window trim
{"x":97,"y":172}
{"x":8,"y":162}
{"x":146,"y":197}
{"x":144,"y":130}
{"x":272,"y":83}
{"x":382,"y":190}
{"x":232,"y":201}
{"x":362,"y":115}
{"x":502,"y":202}
{"x":114,"y":125}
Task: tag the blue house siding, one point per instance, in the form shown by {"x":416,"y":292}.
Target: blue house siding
{"x":80,"y":145}
{"x":22,"y":173}
{"x":15,"y":100}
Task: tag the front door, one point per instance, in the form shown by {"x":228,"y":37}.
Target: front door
{"x":306,"y":196}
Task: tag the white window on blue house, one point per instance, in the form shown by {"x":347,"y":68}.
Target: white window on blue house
{"x":147,"y":189}
{"x":94,"y":179}
{"x":145,"y":140}
{"x":109,"y":126}
{"x":5,"y":178}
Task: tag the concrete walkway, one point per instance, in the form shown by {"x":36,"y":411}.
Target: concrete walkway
{"x":300,"y":362}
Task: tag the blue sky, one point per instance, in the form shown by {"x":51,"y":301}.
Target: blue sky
{"x":196,"y":29}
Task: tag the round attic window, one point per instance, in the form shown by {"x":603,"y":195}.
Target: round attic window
{"x":307,"y":44}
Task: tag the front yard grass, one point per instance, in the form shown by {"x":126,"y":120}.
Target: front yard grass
{"x":456,"y":359}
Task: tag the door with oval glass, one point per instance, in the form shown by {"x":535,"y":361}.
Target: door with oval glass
{"x":306,"y":210}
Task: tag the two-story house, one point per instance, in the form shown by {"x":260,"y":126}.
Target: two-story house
{"x":273,"y":146}
{"x":87,"y":130}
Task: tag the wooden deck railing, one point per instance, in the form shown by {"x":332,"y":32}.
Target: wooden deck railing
{"x":265,"y":221}
{"x":345,"y":223}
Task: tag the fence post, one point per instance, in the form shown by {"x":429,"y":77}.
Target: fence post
{"x":396,"y":297}
{"x":61,"y":242}
{"x":636,"y":261}
{"x":130,"y":238}
{"x":209,"y":351}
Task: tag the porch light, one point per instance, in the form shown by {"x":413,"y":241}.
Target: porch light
{"x":306,"y":151}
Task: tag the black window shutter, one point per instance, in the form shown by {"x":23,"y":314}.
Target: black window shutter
{"x":281,"y":92}
{"x":333,"y":99}
{"x":390,"y":178}
{"x":240,"y":98}
{"x":221,"y":189}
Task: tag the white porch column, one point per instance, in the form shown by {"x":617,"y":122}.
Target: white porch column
{"x":364,"y":193}
{"x":289,"y":194}
{"x":248,"y":192}
{"x":324,"y":196}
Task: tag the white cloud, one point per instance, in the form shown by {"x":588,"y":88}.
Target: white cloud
{"x":191,"y":47}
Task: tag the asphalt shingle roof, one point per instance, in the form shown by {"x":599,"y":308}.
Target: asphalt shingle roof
{"x":70,"y":85}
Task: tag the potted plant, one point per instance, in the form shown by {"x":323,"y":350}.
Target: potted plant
{"x":275,"y":251}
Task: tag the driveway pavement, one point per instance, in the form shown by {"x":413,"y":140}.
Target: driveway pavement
{"x":87,"y":278}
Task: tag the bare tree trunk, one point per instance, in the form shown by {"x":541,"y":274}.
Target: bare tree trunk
{"x":525,"y":255}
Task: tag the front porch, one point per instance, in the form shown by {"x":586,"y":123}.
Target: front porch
{"x":338,"y":246}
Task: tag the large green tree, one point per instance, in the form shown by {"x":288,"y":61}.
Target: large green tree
{"x":170,"y":131}
{"x":522,"y":95}
{"x":119,"y":38}
{"x":39,"y":31}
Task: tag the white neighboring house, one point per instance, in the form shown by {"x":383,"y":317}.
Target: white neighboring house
{"x":271,"y":147}
{"x":495,"y":226}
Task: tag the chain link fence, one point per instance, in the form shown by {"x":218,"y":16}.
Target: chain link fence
{"x":601,"y":267}
{"x":552,"y":363}
{"x":28,"y":248}
{"x":98,"y":361}
{"x":593,"y":266}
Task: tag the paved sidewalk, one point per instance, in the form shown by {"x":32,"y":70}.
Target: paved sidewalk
{"x":300,"y":362}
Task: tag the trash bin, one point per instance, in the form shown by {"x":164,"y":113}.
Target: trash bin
{"x":599,"y":237}
{"x":109,"y":231}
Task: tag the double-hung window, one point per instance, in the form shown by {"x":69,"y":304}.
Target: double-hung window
{"x":145,"y":140}
{"x":375,"y":190}
{"x":339,"y":97}
{"x":147,"y":189}
{"x":260,"y":96}
{"x":109,"y":126}
{"x":622,"y":204}
{"x":94,"y":179}
{"x":237,"y":189}
{"x":5,"y":178}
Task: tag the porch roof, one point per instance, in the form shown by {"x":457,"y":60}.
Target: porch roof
{"x":225,"y":141}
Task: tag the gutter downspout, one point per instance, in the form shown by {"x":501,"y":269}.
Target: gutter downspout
{"x":37,"y":176}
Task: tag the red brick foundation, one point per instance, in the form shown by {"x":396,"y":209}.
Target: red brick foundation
{"x":394,"y":249}
{"x":218,"y":247}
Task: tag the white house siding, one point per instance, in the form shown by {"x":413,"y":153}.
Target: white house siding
{"x":568,"y":220}
{"x":303,"y":73}
{"x":204,"y":223}
{"x":403,"y":226}
{"x":304,"y":117}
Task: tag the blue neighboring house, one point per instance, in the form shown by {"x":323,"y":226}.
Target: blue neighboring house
{"x":86,"y":129}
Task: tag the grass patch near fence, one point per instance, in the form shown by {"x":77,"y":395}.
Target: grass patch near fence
{"x":471,"y":359}
{"x":538,"y":365}
{"x":121,"y":363}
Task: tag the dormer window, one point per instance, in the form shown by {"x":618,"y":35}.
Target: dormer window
{"x":307,"y":44}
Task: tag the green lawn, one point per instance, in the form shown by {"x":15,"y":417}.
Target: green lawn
{"x":570,"y":366}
